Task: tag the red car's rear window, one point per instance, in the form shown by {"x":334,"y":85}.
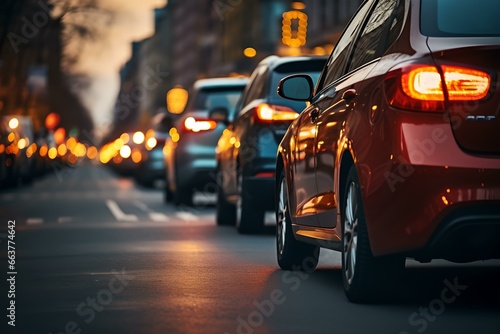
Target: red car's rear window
{"x":460,"y":18}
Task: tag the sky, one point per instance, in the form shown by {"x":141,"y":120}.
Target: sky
{"x":100,"y":58}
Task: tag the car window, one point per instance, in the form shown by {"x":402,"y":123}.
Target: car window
{"x":380,"y":31}
{"x":257,"y":87}
{"x":459,"y":18}
{"x":336,"y":65}
{"x":209,"y":98}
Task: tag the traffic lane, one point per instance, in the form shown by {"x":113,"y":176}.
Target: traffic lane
{"x":46,"y":211}
{"x":96,"y":207}
{"x":183,"y":280}
{"x":438,"y":298}
{"x":212,"y":280}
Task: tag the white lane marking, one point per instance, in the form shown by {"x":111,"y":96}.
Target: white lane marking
{"x":186,"y":216}
{"x":142,"y":206}
{"x":62,"y":220}
{"x":34,"y":221}
{"x":204,"y":198}
{"x":158,"y":217}
{"x":118,"y":213}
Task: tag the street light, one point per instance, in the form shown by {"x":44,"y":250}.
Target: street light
{"x":138,"y":137}
{"x":52,"y":120}
{"x":13,"y":123}
{"x":249,"y":52}
{"x":176,"y":100}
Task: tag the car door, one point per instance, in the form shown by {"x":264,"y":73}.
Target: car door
{"x":304,"y":167}
{"x":231,"y":155}
{"x":308,"y":199}
{"x":335,"y":104}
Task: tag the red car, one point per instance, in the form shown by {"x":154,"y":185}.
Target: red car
{"x":398,"y":153}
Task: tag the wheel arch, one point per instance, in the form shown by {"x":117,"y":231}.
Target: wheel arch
{"x":346,"y":162}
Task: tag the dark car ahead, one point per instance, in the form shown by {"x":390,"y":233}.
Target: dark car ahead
{"x":398,"y":154}
{"x":246,"y":151}
{"x":189,"y":152}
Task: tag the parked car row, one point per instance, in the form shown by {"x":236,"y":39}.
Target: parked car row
{"x":20,"y":157}
{"x":388,"y":149}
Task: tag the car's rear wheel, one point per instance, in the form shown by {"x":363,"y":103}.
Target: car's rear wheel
{"x":249,"y":214}
{"x":225,"y":212}
{"x":291,"y":253}
{"x":366,"y":278}
{"x":183,"y":196}
{"x":168,"y":196}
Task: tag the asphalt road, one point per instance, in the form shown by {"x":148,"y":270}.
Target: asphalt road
{"x":94,"y":253}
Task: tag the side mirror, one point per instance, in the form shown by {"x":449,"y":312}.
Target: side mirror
{"x":219,"y":114}
{"x":296,"y":87}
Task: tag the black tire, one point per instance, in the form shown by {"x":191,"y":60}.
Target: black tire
{"x":249,"y":212}
{"x":291,"y":253}
{"x":168,"y":196}
{"x":225,"y":212}
{"x":183,"y":196}
{"x":366,"y":278}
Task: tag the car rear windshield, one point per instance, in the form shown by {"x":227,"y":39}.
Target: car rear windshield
{"x":209,"y":98}
{"x":460,"y":18}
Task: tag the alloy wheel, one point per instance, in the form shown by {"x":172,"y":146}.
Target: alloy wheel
{"x":240,"y":199}
{"x":281,"y":217}
{"x":350,"y":233}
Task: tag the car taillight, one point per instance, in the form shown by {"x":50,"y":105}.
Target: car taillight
{"x":465,"y":84}
{"x":265,"y":174}
{"x":271,"y":112}
{"x":423,"y":83}
{"x":197,"y":125}
{"x":420,"y":87}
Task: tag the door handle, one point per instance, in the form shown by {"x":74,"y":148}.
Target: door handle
{"x":349,"y":95}
{"x":314,"y":114}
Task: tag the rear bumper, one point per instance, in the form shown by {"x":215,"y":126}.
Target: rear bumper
{"x":429,"y":199}
{"x":191,"y":162}
{"x":465,"y":234}
{"x":196,"y":170}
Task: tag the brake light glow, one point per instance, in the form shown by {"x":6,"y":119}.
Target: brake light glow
{"x":466,"y":84}
{"x":423,"y":83}
{"x":269,"y":112}
{"x":192,"y":124}
{"x":425,"y":88}
{"x":265,"y":174}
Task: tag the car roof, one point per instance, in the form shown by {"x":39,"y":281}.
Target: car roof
{"x":274,"y":61}
{"x":217,"y":82}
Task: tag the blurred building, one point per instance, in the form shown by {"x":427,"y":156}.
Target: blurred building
{"x":229,"y":37}
{"x":326,"y":21}
{"x":155,"y":66}
{"x":193,"y":40}
{"x":250,"y":25}
{"x":196,"y":39}
{"x":145,"y":79}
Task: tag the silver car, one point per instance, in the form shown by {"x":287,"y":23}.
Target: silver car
{"x":189,"y":152}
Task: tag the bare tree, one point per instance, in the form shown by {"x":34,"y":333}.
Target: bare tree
{"x":35,"y":32}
